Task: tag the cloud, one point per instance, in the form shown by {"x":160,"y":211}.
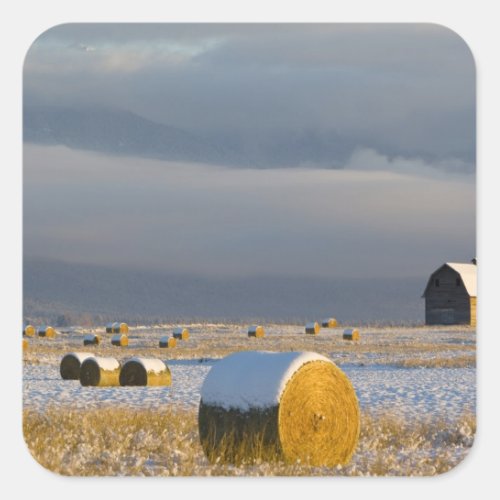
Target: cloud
{"x":368,"y":159}
{"x":199,"y":219}
{"x":405,"y":89}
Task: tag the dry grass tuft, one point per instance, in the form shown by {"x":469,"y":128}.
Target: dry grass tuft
{"x":111,"y":442}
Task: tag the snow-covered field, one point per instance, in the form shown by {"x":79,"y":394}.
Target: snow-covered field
{"x":407,"y":392}
{"x":374,"y":365}
{"x":415,"y":374}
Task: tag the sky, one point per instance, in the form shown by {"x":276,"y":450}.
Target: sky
{"x":395,"y":103}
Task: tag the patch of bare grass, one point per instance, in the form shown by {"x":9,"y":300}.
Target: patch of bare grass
{"x":114,"y":442}
{"x":450,"y":362}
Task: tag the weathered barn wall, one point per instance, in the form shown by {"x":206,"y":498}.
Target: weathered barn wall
{"x":449,"y":303}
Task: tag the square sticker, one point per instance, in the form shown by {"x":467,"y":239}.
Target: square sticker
{"x":249,"y":249}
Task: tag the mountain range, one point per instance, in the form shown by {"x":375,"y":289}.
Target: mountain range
{"x":55,"y":289}
{"x":119,"y":132}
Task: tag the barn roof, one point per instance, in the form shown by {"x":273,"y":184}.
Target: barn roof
{"x":467,"y":272}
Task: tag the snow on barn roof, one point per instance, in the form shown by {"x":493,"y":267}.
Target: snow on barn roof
{"x":467,"y":272}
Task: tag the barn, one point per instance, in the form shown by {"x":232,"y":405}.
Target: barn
{"x":451,"y":295}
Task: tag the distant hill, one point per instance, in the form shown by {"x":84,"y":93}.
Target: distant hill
{"x":73,"y":293}
{"x":118,"y":132}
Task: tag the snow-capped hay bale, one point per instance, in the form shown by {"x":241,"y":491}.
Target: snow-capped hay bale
{"x":25,"y":345}
{"x":290,"y":406}
{"x":117,"y":327}
{"x":47,"y":332}
{"x":313,"y":328}
{"x":119,"y":340}
{"x":329,"y":323}
{"x":168,"y":342}
{"x":91,"y":339}
{"x":29,"y":331}
{"x":181,"y":333}
{"x":120,"y":328}
{"x":256,"y":331}
{"x":100,"y":372}
{"x":351,"y":334}
{"x":71,"y":364}
{"x":145,"y":371}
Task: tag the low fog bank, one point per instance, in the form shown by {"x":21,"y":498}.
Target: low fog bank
{"x":64,"y":294}
{"x":377,"y":218}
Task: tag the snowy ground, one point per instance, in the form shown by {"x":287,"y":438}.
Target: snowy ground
{"x":374,"y":365}
{"x":407,"y":392}
{"x":416,"y":388}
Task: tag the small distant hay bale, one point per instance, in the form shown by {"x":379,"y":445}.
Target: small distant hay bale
{"x":329,"y":323}
{"x":47,"y":332}
{"x":145,"y":371}
{"x":181,"y":333}
{"x":29,"y":331}
{"x":100,"y":372}
{"x":351,"y":334}
{"x":71,"y":364}
{"x":25,"y":345}
{"x":285,"y":406}
{"x":313,"y":328}
{"x":121,"y":328}
{"x":168,"y":342}
{"x":256,"y":331}
{"x":117,"y":327}
{"x":119,"y":340}
{"x":91,"y":339}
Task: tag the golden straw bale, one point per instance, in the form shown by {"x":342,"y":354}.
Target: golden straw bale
{"x":25,"y":345}
{"x":329,"y":323}
{"x":280,"y":406}
{"x":71,"y":364}
{"x":351,"y":334}
{"x":256,"y":331}
{"x":119,"y":340}
{"x":91,"y":339}
{"x":181,"y":333}
{"x":117,"y":327}
{"x":29,"y":331}
{"x":46,"y":332}
{"x":100,"y":372}
{"x":313,"y":328}
{"x":122,"y":328}
{"x":145,"y":371}
{"x":168,"y":342}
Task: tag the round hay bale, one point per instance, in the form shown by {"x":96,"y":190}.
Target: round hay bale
{"x":256,"y":331}
{"x":29,"y":331}
{"x":145,"y":371}
{"x":91,"y":339}
{"x":100,"y":372}
{"x":290,"y":406}
{"x":119,"y":340}
{"x":117,"y":327}
{"x":181,"y":333}
{"x":25,"y":345}
{"x":329,"y":323}
{"x":71,"y":364}
{"x":47,"y":332}
{"x":313,"y":328}
{"x":122,"y":328}
{"x":351,"y":334}
{"x":168,"y":342}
